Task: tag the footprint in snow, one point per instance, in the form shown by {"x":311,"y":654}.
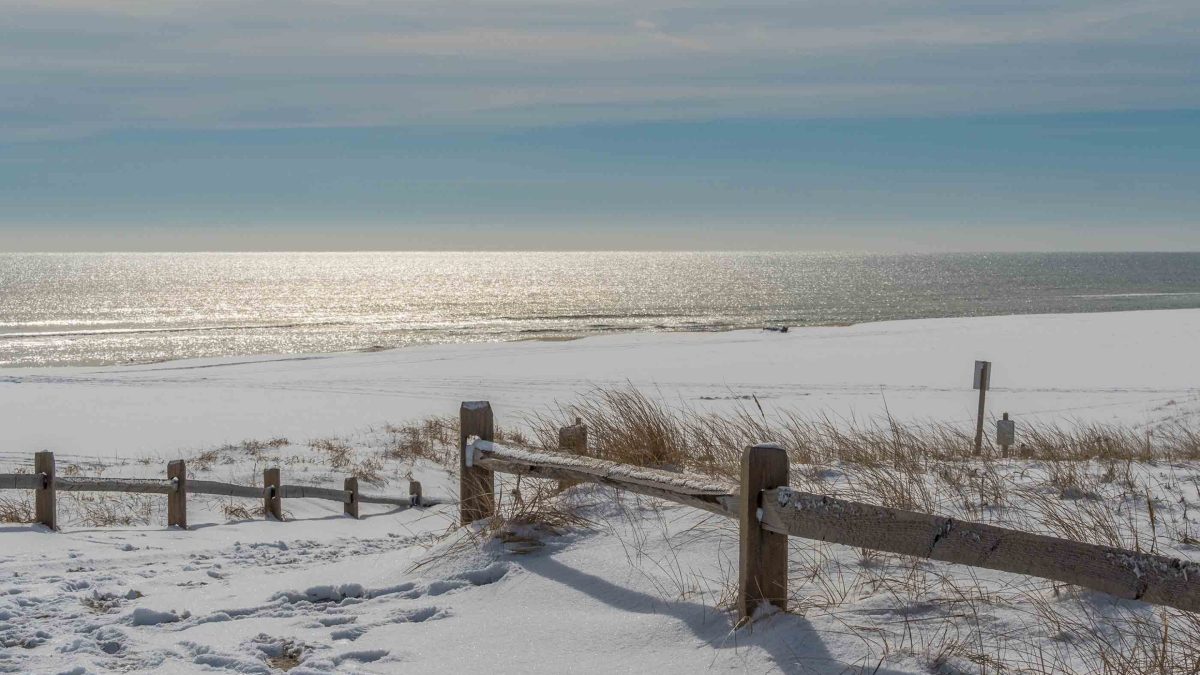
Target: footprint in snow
{"x":418,"y":615}
{"x":331,"y":599}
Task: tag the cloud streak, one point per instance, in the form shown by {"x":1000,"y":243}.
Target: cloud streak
{"x":75,"y":67}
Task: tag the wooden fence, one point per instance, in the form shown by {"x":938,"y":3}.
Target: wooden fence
{"x":768,"y":512}
{"x":177,"y":486}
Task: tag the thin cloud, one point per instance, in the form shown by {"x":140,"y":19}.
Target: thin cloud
{"x":79,"y":64}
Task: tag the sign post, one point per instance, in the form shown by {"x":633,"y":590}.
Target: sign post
{"x":983,"y":380}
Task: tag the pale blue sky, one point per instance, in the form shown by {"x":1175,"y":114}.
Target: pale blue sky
{"x":905,"y":125}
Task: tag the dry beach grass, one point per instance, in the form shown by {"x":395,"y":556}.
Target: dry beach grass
{"x":1133,"y":488}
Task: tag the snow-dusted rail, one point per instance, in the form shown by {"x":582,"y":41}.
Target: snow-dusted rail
{"x":1125,"y":574}
{"x":45,"y":484}
{"x":217,"y":488}
{"x":210,"y":487}
{"x":775,"y":512}
{"x":309,"y":492}
{"x":690,"y":490}
{"x":133,"y":485}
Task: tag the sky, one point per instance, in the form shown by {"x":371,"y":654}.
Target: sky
{"x":897,"y":125}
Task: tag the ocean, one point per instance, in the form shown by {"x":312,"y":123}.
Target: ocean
{"x":116,"y":308}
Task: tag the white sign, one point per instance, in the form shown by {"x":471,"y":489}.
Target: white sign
{"x":982,"y":367}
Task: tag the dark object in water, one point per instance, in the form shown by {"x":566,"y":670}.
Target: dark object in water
{"x":777,"y":329}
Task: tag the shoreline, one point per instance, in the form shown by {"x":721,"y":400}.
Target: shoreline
{"x":570,"y":337}
{"x":1118,"y":367}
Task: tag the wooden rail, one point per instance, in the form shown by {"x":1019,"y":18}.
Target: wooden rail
{"x":773,"y":512}
{"x":177,"y":486}
{"x":649,"y":482}
{"x":134,"y":485}
{"x":1126,"y":574}
{"x":19,"y":481}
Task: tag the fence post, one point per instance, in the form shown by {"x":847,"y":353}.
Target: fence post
{"x":43,"y":500}
{"x":575,"y":439}
{"x":352,"y":507}
{"x":272,"y":500}
{"x":414,"y":493}
{"x":476,"y":485}
{"x":177,"y":500}
{"x":762,"y":563}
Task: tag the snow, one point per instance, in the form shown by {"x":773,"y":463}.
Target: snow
{"x":643,"y":588}
{"x":143,"y":616}
{"x":1121,"y":366}
{"x":681,"y":482}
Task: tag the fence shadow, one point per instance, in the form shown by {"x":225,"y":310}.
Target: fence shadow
{"x":25,"y":527}
{"x":790,"y":641}
{"x":331,"y":516}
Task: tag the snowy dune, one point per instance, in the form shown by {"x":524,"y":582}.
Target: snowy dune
{"x":1132,"y":367}
{"x":640,"y":591}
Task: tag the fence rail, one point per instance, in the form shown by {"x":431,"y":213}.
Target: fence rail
{"x":212,"y":487}
{"x":769,"y":511}
{"x":177,"y":486}
{"x":19,"y":481}
{"x":134,"y":485}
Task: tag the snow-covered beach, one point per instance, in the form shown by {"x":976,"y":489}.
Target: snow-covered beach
{"x":640,"y":591}
{"x":1132,"y":367}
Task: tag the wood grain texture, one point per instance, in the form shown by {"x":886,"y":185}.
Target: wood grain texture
{"x":147,"y":486}
{"x":762,"y":554}
{"x":212,"y":487}
{"x":572,"y":439}
{"x":272,"y":494}
{"x":697,"y":491}
{"x":683,"y":483}
{"x":1125,"y":574}
{"x":350,"y":485}
{"x":476,"y":484}
{"x":986,"y":380}
{"x":177,"y":500}
{"x":380,"y":499}
{"x":312,"y":492}
{"x":19,"y":481}
{"x":44,"y":497}
{"x":725,"y":505}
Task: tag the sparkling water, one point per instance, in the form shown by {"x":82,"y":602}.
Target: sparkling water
{"x":63,"y":309}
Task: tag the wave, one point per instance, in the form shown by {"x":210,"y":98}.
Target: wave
{"x":174,"y":329}
{"x":587,"y":316}
{"x":1104,"y":296}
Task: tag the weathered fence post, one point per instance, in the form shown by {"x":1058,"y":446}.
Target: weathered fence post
{"x":476,"y":485}
{"x":272,"y":500}
{"x":575,"y":439}
{"x":177,"y":500}
{"x":351,"y":507}
{"x":762,"y":561}
{"x":43,"y":501}
{"x":414,"y":493}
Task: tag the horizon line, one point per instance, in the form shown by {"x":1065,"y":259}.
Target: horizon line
{"x":614,"y":250}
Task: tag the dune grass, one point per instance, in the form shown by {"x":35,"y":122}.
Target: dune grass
{"x":626,"y":425}
{"x":1121,"y":486}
